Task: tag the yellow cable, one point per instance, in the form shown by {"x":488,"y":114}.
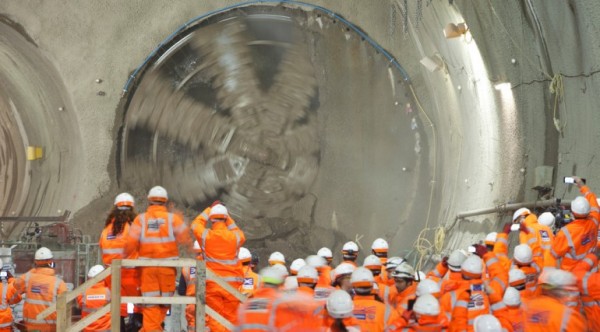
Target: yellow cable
{"x":557,"y":88}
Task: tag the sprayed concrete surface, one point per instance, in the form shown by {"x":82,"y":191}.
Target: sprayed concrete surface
{"x":480,"y":141}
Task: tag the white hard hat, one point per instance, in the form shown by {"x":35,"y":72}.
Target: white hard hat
{"x":43,"y":254}
{"x":472,"y":266}
{"x":316,"y":261}
{"x":325,"y":253}
{"x":392,"y":262}
{"x":512,"y":297}
{"x":457,"y":257}
{"x":520,"y":212}
{"x":350,"y":246}
{"x":296,"y":265}
{"x":557,"y":278}
{"x":307,"y":275}
{"x":523,"y":254}
{"x":580,"y":206}
{"x":372,"y":262}
{"x":490,"y":239}
{"x":218,"y":212}
{"x":272,"y":275}
{"x":158,"y":193}
{"x":487,"y":323}
{"x":95,"y":270}
{"x":244,"y":255}
{"x":290,"y":283}
{"x":362,"y":278}
{"x":281,"y":268}
{"x":428,"y":286}
{"x":380,"y":245}
{"x":516,"y":277}
{"x":124,"y":200}
{"x":404,"y":271}
{"x":340,"y":304}
{"x":343,"y":269}
{"x":427,"y":305}
{"x":547,"y":219}
{"x":276,"y":258}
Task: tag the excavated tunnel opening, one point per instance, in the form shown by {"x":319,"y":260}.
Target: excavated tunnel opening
{"x":40,"y":145}
{"x":290,"y":117}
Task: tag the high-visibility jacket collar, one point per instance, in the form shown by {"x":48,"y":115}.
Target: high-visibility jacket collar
{"x":156,"y":208}
{"x":218,"y":226}
{"x":44,"y":270}
{"x":364,"y":297}
{"x":430,"y":320}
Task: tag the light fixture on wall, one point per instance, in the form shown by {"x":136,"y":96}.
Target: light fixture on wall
{"x":432,"y":64}
{"x":455,"y":30}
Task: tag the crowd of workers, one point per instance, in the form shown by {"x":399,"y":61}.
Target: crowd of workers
{"x":550,"y":282}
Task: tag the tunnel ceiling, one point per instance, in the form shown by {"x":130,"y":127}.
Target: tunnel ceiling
{"x":258,"y":107}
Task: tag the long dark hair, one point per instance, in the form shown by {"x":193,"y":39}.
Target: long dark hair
{"x":338,"y":326}
{"x":119,"y":217}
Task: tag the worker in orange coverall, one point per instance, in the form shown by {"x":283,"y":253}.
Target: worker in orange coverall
{"x":220,"y":246}
{"x":113,"y":240}
{"x":155,"y":234}
{"x":547,"y":312}
{"x":579,"y":237}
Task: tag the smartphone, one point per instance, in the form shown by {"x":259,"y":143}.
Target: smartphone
{"x":515,"y":227}
{"x":570,"y":180}
{"x":411,"y":304}
{"x":472,"y":249}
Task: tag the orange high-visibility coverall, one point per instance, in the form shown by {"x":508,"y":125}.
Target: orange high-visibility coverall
{"x":255,"y":314}
{"x":532,"y":272}
{"x":156,"y":234}
{"x":251,"y":281}
{"x":515,"y":316}
{"x":423,"y":324}
{"x":113,"y":247}
{"x":545,"y":313}
{"x":533,"y":238}
{"x":466,"y":310}
{"x":399,"y":300}
{"x":589,"y":287}
{"x":90,"y":301}
{"x":447,"y":279}
{"x":8,"y":296}
{"x":189,"y":275}
{"x":373,"y":315}
{"x":298,"y":312}
{"x":501,"y":250}
{"x":220,"y":246}
{"x":547,"y":239}
{"x":579,"y":237}
{"x":42,"y":288}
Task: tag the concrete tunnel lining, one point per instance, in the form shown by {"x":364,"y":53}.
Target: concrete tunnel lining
{"x":437,"y":92}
